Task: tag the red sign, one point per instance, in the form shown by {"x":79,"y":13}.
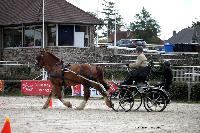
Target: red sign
{"x":113,"y":87}
{"x":1,"y":85}
{"x":76,"y":90}
{"x":36,"y":87}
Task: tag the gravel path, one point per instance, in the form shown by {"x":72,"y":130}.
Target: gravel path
{"x":26,"y":116}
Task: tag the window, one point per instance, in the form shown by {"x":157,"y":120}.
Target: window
{"x":32,"y":36}
{"x":66,"y":35}
{"x":12,"y":37}
{"x":51,"y":34}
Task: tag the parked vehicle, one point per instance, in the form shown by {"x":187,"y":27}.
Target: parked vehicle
{"x":131,"y":43}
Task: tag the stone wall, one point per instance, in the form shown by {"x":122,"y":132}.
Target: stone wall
{"x":93,"y":55}
{"x":67,"y":54}
{"x":1,"y":43}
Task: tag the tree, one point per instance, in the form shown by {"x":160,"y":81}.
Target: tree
{"x":109,"y":19}
{"x":196,"y":24}
{"x":145,"y":27}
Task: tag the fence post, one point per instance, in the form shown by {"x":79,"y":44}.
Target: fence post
{"x":193,"y":76}
{"x":189,"y":90}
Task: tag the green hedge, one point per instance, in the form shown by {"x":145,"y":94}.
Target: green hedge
{"x":179,"y":91}
{"x":18,"y":73}
{"x":117,"y":74}
{"x":195,"y":92}
{"x":12,"y":89}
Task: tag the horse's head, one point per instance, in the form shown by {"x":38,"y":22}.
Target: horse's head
{"x":47,"y":60}
{"x":40,"y":59}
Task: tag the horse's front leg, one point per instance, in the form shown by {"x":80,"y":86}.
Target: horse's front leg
{"x":86,"y":97}
{"x":59,"y":94}
{"x":46,"y":105}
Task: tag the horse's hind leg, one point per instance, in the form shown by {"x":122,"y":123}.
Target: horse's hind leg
{"x":105,"y":95}
{"x":86,"y":97}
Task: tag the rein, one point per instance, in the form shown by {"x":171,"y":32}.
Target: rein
{"x":69,"y":70}
{"x":64,"y":68}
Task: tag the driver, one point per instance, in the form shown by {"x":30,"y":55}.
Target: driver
{"x":137,"y":67}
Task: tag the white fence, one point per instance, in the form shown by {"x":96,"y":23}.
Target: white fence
{"x":186,"y":73}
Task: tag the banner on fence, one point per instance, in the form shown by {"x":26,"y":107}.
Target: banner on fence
{"x":44,"y":87}
{"x":112,"y":86}
{"x":36,"y":87}
{"x":78,"y":90}
{"x":2,"y":85}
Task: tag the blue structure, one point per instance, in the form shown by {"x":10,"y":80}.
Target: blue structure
{"x":168,"y":47}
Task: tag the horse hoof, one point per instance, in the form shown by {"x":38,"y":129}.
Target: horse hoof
{"x":109,"y":105}
{"x":78,"y":108}
{"x":44,"y":107}
{"x":69,"y":105}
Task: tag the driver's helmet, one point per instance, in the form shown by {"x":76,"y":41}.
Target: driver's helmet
{"x":167,"y":63}
{"x":139,"y":49}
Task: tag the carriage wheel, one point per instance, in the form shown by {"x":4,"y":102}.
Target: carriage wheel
{"x":137,"y":99}
{"x":155,"y":101}
{"x":122,"y":100}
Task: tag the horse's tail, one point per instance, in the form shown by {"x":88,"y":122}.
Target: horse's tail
{"x":100,"y":76}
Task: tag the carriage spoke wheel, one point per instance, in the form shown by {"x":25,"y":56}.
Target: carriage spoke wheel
{"x":122,"y":100}
{"x":126,"y":99}
{"x":137,"y":99}
{"x":115,"y":101}
{"x":155,"y":101}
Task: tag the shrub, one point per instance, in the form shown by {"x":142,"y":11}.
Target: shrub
{"x":12,"y":88}
{"x":117,"y":74}
{"x":179,"y":91}
{"x":195,"y":92}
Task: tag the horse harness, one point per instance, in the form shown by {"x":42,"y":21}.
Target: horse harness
{"x":65,"y":68}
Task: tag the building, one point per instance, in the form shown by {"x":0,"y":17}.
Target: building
{"x":65,"y":24}
{"x":187,"y":35}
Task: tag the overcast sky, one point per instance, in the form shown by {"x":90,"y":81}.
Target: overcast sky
{"x":170,"y":14}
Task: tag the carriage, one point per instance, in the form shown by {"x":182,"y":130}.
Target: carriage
{"x":131,"y":97}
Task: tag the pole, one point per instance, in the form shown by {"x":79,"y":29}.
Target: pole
{"x":43,"y":25}
{"x":97,"y":40}
{"x":115,"y":36}
{"x":43,"y":71}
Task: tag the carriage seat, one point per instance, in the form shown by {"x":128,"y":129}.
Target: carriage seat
{"x":142,"y":75}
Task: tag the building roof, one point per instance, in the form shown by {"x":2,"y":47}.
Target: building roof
{"x":30,"y":11}
{"x":121,"y":35}
{"x":183,"y":36}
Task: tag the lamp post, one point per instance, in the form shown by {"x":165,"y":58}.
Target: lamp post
{"x":44,"y":77}
{"x":115,"y":36}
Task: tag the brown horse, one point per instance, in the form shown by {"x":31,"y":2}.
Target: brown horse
{"x":70,"y":75}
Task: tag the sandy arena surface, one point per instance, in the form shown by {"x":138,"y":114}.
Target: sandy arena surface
{"x":27,"y":116}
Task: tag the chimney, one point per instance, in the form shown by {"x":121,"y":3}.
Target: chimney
{"x":174,"y":33}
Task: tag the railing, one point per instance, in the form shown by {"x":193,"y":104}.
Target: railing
{"x":186,"y":73}
{"x":13,"y":63}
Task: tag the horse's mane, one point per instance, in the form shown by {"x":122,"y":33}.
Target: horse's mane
{"x":53,"y":56}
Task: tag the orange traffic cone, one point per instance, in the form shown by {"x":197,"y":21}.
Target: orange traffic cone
{"x":6,"y":128}
{"x":50,"y":103}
